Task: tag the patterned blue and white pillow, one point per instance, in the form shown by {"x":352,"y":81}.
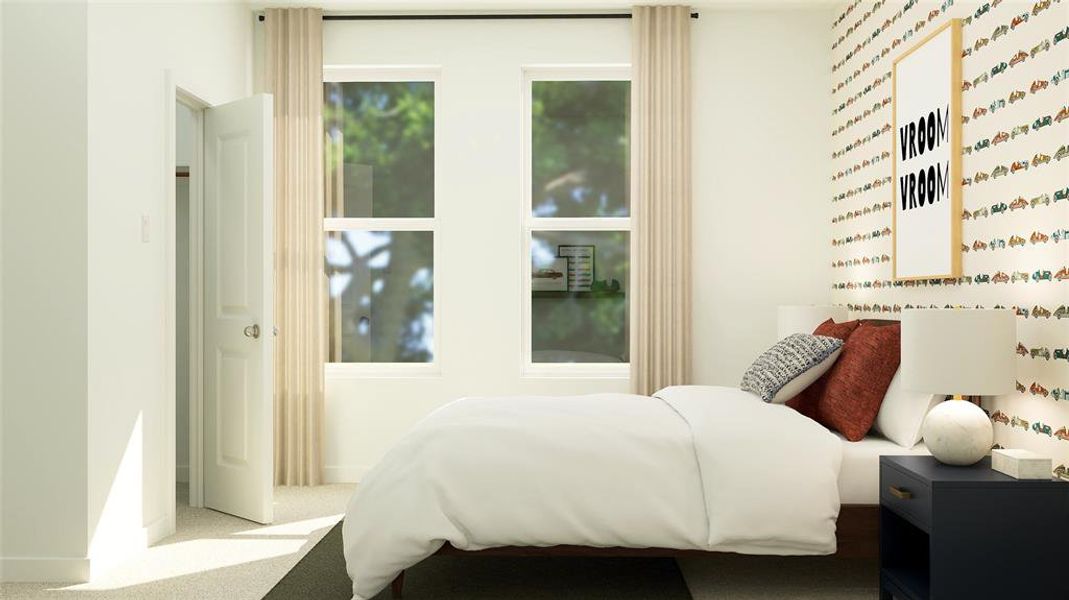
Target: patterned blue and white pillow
{"x":792,"y":365}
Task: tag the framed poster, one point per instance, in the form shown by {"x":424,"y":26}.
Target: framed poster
{"x":580,"y":266}
{"x":926,"y":170}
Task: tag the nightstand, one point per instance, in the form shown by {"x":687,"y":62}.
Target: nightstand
{"x":950,"y":533}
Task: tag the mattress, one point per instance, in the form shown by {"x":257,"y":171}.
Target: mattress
{"x":859,"y":476}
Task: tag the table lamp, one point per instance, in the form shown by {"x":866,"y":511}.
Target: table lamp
{"x":959,"y":352}
{"x":805,"y":318}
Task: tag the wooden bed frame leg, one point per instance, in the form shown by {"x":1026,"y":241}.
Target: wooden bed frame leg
{"x":398,"y":585}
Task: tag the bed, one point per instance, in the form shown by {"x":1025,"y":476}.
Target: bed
{"x":689,"y":470}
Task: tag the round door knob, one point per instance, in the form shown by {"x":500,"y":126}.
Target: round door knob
{"x":252,"y":331}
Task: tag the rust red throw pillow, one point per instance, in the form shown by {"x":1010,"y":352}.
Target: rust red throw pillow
{"x":840,"y":331}
{"x":806,"y":402}
{"x":855,"y":386}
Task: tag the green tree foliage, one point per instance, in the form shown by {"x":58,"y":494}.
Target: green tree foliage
{"x":580,"y":136}
{"x":386,"y":132}
{"x":389,"y":128}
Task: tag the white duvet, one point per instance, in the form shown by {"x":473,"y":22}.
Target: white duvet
{"x":693,"y":467}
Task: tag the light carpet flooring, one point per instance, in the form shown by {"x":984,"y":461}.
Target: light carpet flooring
{"x":213,"y":555}
{"x":216,"y":556}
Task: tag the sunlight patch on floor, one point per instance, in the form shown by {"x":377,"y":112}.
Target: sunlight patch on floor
{"x":186,"y":558}
{"x":304,"y":527}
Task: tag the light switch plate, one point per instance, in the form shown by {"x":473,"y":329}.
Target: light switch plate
{"x":145,"y":229}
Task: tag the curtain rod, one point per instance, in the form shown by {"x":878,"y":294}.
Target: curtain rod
{"x":476,"y":16}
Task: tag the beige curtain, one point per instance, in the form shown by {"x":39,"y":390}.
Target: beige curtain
{"x":294,"y":75}
{"x":660,"y":198}
{"x":334,"y":205}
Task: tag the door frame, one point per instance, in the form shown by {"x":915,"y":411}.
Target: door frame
{"x":177,"y":92}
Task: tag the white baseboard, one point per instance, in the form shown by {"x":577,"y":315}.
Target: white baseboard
{"x":181,"y":473}
{"x":129,"y":544}
{"x":44,"y":570}
{"x":344,"y":473}
{"x":159,"y":529}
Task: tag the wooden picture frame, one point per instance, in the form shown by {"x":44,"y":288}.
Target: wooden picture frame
{"x":926,"y":219}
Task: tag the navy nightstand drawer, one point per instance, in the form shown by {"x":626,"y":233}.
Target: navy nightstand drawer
{"x":907,"y":495}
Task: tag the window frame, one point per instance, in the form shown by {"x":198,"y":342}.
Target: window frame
{"x":529,"y":225}
{"x":373,"y":73}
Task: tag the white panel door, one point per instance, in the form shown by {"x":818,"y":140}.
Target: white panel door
{"x":238,"y":303}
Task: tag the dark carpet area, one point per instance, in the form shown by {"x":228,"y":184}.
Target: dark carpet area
{"x":321,"y":575}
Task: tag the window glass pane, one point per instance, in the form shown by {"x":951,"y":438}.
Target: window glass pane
{"x":580,"y":134}
{"x":379,"y":149}
{"x":579,"y":296}
{"x":381,"y":296}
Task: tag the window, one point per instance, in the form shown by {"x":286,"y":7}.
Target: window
{"x":577,"y":220}
{"x":380,"y":213}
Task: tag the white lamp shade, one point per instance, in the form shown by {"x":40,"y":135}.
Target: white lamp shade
{"x":805,"y":318}
{"x":959,"y":351}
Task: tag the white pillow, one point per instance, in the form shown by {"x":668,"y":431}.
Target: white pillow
{"x":799,"y":384}
{"x":902,"y":413}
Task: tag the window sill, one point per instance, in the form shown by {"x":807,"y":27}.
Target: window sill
{"x":343,"y":371}
{"x":337,"y":371}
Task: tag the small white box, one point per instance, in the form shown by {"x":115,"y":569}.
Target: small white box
{"x":1021,"y":464}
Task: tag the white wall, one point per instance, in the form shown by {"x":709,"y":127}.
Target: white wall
{"x":85,"y":111}
{"x":43,"y":528}
{"x":761,"y":148}
{"x":206,"y":46}
{"x":760,"y":165}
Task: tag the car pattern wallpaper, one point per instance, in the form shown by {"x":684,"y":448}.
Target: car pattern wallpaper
{"x":1015,"y":194}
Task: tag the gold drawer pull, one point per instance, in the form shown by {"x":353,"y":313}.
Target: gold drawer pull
{"x":901,"y":493}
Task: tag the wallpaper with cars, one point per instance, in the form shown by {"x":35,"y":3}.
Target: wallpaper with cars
{"x":1015,"y":139}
